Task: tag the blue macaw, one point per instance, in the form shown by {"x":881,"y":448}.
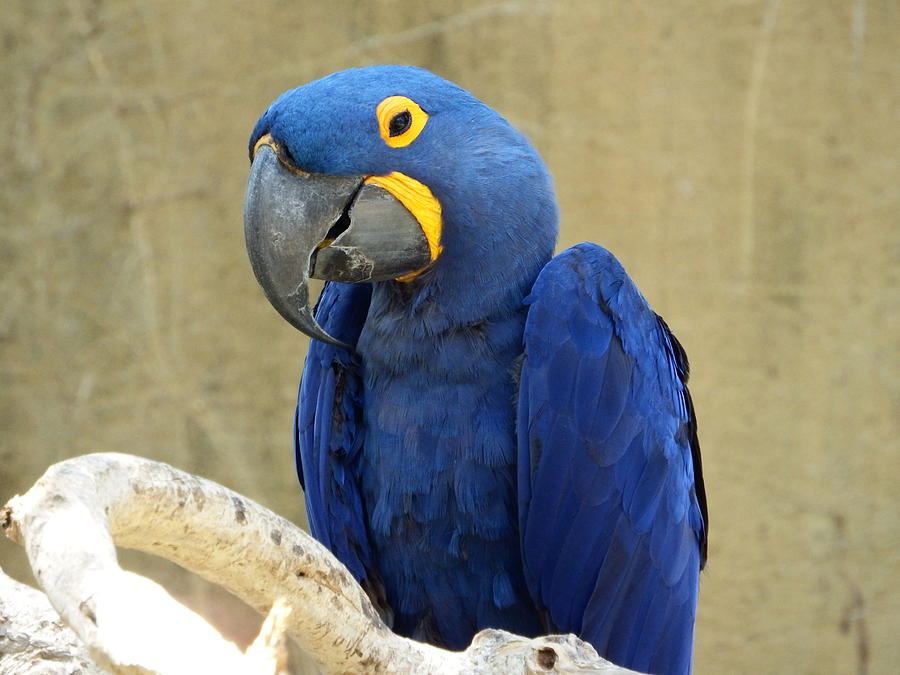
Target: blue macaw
{"x":487,"y":436}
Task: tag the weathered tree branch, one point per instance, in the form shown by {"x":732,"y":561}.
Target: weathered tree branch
{"x":70,"y":521}
{"x":33,"y":639}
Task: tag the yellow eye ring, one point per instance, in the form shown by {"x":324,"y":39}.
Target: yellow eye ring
{"x":400,"y":120}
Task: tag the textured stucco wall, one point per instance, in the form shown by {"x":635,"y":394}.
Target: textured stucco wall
{"x":740,"y":157}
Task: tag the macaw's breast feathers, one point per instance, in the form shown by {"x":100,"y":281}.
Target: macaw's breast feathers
{"x":611,"y":506}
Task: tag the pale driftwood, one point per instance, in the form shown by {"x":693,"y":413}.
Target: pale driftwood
{"x":269,"y":651}
{"x":71,"y":520}
{"x":33,"y":639}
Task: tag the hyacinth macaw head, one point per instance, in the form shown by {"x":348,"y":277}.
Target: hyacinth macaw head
{"x":393,"y":174}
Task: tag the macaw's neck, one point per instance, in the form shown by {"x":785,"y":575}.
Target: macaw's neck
{"x":499,"y":223}
{"x":448,"y":328}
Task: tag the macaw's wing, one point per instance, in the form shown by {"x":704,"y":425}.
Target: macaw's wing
{"x":612,"y":508}
{"x":328,"y":429}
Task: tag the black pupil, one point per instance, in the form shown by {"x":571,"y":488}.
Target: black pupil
{"x":400,"y":123}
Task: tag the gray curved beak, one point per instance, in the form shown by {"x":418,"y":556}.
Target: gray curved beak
{"x":300,"y":226}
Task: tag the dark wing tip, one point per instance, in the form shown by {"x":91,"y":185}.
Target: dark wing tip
{"x":683,"y":368}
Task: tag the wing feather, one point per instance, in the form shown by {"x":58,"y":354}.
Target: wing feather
{"x":611,"y":504}
{"x":328,"y":425}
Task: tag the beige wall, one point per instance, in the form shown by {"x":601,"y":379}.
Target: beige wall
{"x":740,"y":157}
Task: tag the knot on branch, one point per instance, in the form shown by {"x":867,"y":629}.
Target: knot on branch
{"x":546,"y":657}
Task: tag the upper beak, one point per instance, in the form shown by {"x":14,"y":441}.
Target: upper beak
{"x":299,"y":225}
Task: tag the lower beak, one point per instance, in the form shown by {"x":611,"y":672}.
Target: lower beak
{"x":300,"y":226}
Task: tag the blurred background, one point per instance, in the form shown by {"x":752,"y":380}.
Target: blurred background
{"x":742,"y":159}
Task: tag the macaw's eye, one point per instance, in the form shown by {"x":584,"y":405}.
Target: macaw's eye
{"x":400,"y":123}
{"x":400,"y":120}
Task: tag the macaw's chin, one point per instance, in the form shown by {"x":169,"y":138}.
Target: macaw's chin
{"x":299,"y":226}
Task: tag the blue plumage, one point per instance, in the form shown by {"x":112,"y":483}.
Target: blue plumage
{"x":511,"y":444}
{"x":634,"y":490}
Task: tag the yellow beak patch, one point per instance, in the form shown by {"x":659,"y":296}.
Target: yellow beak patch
{"x":419,"y":201}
